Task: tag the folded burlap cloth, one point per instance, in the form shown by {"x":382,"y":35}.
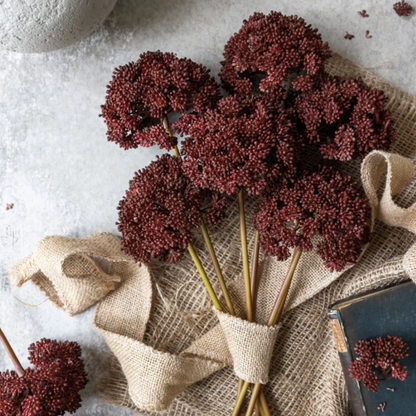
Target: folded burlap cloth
{"x":170,"y":354}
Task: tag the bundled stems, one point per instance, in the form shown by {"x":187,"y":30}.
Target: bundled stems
{"x":276,"y":315}
{"x":274,"y":318}
{"x":18,"y":367}
{"x":217,"y":267}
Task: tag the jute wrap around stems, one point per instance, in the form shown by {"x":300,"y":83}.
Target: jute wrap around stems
{"x":170,"y":353}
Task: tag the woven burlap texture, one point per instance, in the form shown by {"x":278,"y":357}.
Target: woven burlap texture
{"x":65,"y":270}
{"x":165,"y":336}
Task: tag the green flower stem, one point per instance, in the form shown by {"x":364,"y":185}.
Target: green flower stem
{"x":244,"y":253}
{"x":217,"y":267}
{"x":165,"y":122}
{"x":254,"y":267}
{"x":204,"y":276}
{"x":240,"y":398}
{"x":18,"y":367}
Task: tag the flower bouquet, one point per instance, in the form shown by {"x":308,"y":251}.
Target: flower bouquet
{"x":279,"y":138}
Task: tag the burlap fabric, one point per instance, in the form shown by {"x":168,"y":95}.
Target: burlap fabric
{"x":65,"y":270}
{"x":165,"y":336}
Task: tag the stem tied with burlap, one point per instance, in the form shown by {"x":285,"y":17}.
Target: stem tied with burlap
{"x":324,"y":206}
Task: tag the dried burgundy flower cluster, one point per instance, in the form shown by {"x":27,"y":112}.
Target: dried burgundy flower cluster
{"x":402,"y":8}
{"x":142,"y":93}
{"x":243,"y":143}
{"x":378,"y":359}
{"x":51,"y":388}
{"x":268,"y":50}
{"x":322,"y":204}
{"x":281,"y":98}
{"x":346,"y":117}
{"x":160,"y":209}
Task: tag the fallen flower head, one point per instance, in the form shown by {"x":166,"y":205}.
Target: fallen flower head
{"x":323,"y":209}
{"x":270,"y":49}
{"x":51,"y":388}
{"x":142,"y":93}
{"x":378,"y":360}
{"x":403,"y":8}
{"x":243,"y":143}
{"x":346,"y":117}
{"x":160,"y":209}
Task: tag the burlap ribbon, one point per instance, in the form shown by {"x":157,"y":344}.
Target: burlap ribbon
{"x":65,"y":270}
{"x":398,"y":171}
{"x":165,"y":337}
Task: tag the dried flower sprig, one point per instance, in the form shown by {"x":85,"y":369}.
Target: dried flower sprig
{"x":243,"y":143}
{"x":270,"y":49}
{"x":403,"y":8}
{"x":349,"y":36}
{"x":323,"y":204}
{"x":378,"y":360}
{"x":363,"y":13}
{"x":142,"y":93}
{"x":346,"y":117}
{"x":160,"y":209}
{"x":51,"y":388}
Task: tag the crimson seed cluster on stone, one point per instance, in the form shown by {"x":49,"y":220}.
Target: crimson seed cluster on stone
{"x":51,"y":387}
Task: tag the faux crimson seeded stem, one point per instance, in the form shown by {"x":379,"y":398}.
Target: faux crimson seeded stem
{"x":18,"y":367}
{"x":276,"y":315}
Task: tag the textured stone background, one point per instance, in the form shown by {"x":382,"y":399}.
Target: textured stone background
{"x":65,"y":178}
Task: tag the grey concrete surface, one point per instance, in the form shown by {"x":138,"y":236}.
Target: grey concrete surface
{"x":61,"y":174}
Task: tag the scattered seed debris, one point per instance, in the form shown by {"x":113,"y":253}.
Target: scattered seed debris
{"x":348,"y":36}
{"x":382,"y":406}
{"x":402,"y":8}
{"x":367,"y":34}
{"x":9,"y":206}
{"x":390,"y":389}
{"x":363,"y":13}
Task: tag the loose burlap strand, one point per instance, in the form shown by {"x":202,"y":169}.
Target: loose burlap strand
{"x":169,"y":352}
